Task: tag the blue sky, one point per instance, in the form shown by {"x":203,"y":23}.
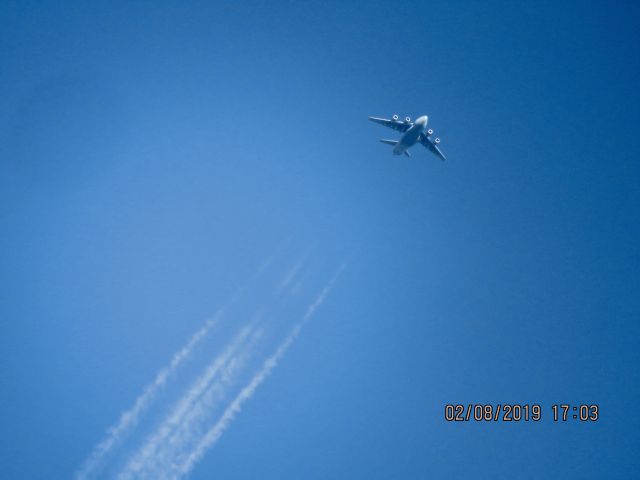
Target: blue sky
{"x":153,"y":155}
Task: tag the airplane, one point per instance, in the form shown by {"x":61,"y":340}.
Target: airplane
{"x":412,"y":133}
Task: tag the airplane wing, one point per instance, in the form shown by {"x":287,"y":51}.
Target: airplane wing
{"x":398,"y":125}
{"x":430,"y":145}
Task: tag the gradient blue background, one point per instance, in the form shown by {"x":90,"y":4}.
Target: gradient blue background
{"x":153,"y":155}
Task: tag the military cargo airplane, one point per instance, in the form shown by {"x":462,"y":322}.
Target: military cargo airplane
{"x":412,"y":133}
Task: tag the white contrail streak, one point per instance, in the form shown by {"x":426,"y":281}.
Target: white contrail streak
{"x":212,"y":436}
{"x":290,"y":276}
{"x":176,"y":448}
{"x":130,"y":418}
{"x":145,"y":456}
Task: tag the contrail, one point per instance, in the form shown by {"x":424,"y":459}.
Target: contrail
{"x":212,"y":436}
{"x":174,"y":449}
{"x":130,"y":418}
{"x":148,"y":451}
{"x":264,"y":266}
{"x":290,"y":275}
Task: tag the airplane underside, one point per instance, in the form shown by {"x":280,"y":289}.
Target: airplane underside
{"x":398,"y":147}
{"x":412,"y":133}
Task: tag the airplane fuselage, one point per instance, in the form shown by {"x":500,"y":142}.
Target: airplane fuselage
{"x":411,"y":136}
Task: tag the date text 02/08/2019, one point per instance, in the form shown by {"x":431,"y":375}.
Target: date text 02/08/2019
{"x":516,"y":412}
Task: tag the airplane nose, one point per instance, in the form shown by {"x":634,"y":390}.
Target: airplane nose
{"x":422,"y":120}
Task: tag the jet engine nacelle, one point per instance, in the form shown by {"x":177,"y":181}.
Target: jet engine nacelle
{"x":437,"y":140}
{"x":395,"y":118}
{"x":430,"y":131}
{"x":407,"y":119}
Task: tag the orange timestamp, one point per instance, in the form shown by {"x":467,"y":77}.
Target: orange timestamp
{"x":519,"y":412}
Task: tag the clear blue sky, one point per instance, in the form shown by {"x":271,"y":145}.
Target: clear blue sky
{"x":153,"y":154}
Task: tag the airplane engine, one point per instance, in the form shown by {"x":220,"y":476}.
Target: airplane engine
{"x":407,"y":119}
{"x":437,"y":140}
{"x":395,"y":118}
{"x":430,"y":131}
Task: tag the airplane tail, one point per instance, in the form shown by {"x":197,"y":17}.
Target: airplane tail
{"x":394,"y":142}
